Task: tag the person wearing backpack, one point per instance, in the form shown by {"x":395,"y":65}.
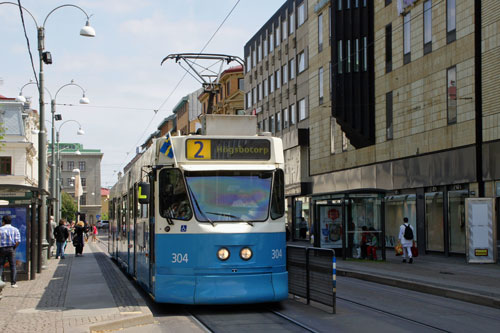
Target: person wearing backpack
{"x":406,"y":236}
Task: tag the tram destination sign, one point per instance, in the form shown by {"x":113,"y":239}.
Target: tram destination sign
{"x":228,"y":149}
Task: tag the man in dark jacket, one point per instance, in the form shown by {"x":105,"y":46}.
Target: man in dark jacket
{"x":61,"y":235}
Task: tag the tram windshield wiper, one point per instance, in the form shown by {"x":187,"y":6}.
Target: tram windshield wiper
{"x":198,"y":206}
{"x":232,"y":216}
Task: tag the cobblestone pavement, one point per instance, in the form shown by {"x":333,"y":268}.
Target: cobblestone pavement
{"x":41,"y":305}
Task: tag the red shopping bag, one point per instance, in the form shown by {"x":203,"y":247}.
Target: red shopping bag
{"x":414,"y":250}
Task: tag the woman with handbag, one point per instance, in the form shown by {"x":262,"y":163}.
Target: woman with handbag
{"x":406,"y":233}
{"x":78,"y":240}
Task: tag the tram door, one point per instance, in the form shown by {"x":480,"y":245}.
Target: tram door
{"x":152,"y":234}
{"x":130,"y":232}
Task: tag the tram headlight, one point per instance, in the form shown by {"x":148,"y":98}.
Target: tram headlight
{"x":223,"y":253}
{"x":246,"y":253}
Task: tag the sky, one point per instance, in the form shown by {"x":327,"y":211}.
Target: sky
{"x":120,"y":68}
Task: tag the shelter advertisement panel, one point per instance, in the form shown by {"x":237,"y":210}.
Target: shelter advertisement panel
{"x":480,"y":230}
{"x":330,"y":226}
{"x":19,"y":220}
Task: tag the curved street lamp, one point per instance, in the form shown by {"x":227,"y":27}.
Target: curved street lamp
{"x":45,"y":57}
{"x":57,"y":184}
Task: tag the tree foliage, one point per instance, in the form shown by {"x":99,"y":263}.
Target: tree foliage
{"x":68,"y":207}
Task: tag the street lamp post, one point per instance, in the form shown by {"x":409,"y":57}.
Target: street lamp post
{"x":86,"y":31}
{"x":58,"y":168}
{"x":54,"y":179}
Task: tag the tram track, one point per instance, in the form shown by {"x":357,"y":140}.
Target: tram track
{"x":388,"y":313}
{"x":245,"y":319}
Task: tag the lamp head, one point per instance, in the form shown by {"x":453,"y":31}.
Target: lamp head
{"x":87,"y":30}
{"x":84,"y":100}
{"x":21,"y":98}
{"x":76,"y":170}
{"x":80,"y":131}
{"x":78,"y":153}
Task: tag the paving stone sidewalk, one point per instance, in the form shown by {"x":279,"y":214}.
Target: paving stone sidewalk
{"x":76,"y":294}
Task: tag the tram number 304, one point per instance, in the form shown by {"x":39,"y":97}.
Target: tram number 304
{"x":277,"y":254}
{"x":179,"y":258}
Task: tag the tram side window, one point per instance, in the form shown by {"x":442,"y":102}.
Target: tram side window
{"x":278,"y":196}
{"x":173,"y":197}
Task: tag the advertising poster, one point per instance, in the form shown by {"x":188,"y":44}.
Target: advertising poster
{"x":331,"y":226}
{"x":19,"y":216}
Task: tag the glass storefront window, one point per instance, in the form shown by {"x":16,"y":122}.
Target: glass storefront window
{"x":434,"y":221}
{"x":398,"y":207}
{"x":302,"y":223}
{"x":364,"y":227}
{"x":456,"y":220}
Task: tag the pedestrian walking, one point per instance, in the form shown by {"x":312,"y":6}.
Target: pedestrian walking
{"x":406,"y":233}
{"x":10,"y":237}
{"x":94,"y":233}
{"x":61,"y":234}
{"x":78,"y":238}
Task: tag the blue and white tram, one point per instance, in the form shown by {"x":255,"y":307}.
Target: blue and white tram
{"x":199,"y":219}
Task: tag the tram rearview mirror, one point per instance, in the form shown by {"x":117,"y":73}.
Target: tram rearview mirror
{"x":143,"y":193}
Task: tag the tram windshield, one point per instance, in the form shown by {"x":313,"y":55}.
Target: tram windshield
{"x":225,"y":196}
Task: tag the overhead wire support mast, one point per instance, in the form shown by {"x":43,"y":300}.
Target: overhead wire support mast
{"x":210,"y":80}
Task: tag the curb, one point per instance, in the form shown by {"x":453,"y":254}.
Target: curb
{"x":424,"y":288}
{"x":144,"y":319}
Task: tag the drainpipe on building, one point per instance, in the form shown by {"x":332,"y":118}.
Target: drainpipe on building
{"x":479,"y":98}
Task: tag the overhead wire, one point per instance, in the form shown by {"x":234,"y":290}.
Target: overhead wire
{"x":180,"y":81}
{"x":28,"y":42}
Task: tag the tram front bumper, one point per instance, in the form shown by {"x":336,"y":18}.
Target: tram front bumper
{"x":221,"y":289}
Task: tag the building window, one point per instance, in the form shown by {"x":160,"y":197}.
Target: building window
{"x":264,"y":125}
{"x":266,"y":88}
{"x":265,"y":47}
{"x":241,"y":84}
{"x":356,"y":55}
{"x":284,"y":73}
{"x":271,"y":124}
{"x":301,"y":14}
{"x":344,"y":142}
{"x":81,"y":165}
{"x":388,"y":115}
{"x":248,"y":63}
{"x":291,"y":22}
{"x":320,"y":32}
{"x":71,"y":165}
{"x":248,"y":100}
{"x":451,"y":95}
{"x":302,"y":109}
{"x":407,"y":38}
{"x":83,"y":200}
{"x":302,"y":62}
{"x":339,"y":4}
{"x":254,"y":58}
{"x":278,"y":122}
{"x":291,"y":66}
{"x":293,"y":115}
{"x":388,"y":48}
{"x":330,"y":76}
{"x":365,"y":53}
{"x":259,"y":53}
{"x":348,"y":4}
{"x":254,"y":96}
{"x":277,"y":31}
{"x":271,"y":41}
{"x":339,"y":57}
{"x":332,"y":135}
{"x":84,"y":181}
{"x":285,"y":118}
{"x":284,"y":32}
{"x":427,"y":26}
{"x":259,"y":92}
{"x":271,"y":83}
{"x":451,"y":23}
{"x":277,"y":77}
{"x":320,"y":84}
{"x":388,"y":2}
{"x":5,"y":165}
{"x":228,"y":88}
{"x":348,"y":69}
